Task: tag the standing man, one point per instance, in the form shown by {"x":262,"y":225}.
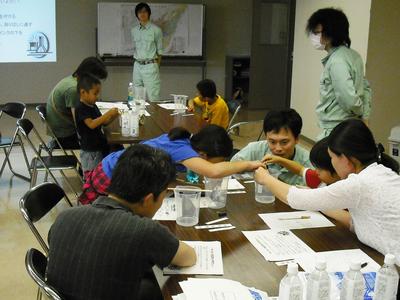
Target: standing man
{"x":147,"y":39}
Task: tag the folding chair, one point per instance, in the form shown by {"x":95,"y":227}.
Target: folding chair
{"x":54,"y":144}
{"x":244,"y":132}
{"x":47,"y":163}
{"x":36,"y":264}
{"x":234,"y":116}
{"x":37,"y":202}
{"x":15,"y":110}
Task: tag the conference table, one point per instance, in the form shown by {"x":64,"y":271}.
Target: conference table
{"x":241,"y":261}
{"x":160,"y":121}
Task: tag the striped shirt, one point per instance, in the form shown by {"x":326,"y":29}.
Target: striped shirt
{"x":102,"y":251}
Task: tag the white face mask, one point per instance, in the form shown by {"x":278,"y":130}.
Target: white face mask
{"x":316,"y":41}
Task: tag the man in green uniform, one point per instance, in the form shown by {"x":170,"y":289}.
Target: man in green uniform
{"x":147,"y":39}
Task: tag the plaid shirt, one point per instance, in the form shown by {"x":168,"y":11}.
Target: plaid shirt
{"x":96,"y":185}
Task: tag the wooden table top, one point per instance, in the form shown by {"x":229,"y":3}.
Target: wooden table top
{"x":242,"y":262}
{"x":160,"y":121}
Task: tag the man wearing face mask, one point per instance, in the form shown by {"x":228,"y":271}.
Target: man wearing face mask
{"x":344,"y":91}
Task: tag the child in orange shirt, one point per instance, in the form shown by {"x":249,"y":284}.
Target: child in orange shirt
{"x":214,"y":108}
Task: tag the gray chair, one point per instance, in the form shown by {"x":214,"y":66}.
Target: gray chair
{"x":15,"y":110}
{"x":234,"y":115}
{"x":36,"y":263}
{"x":37,"y":202}
{"x":49,"y":162}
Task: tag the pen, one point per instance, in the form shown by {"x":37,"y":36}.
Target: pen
{"x":296,"y":218}
{"x":363,"y":265}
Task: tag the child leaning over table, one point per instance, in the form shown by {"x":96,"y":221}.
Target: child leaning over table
{"x":89,"y":122}
{"x":323,"y":174}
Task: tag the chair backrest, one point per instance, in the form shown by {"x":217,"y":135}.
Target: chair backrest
{"x":14,"y":109}
{"x":37,"y":202}
{"x":36,"y":263}
{"x":42,"y":111}
{"x":234,"y":116}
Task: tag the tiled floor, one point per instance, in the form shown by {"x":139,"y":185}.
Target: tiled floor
{"x":15,"y":236}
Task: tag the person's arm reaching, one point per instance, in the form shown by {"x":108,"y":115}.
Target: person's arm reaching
{"x":103,"y":119}
{"x":221,"y":169}
{"x":185,"y":256}
{"x":291,"y":165}
{"x":340,"y":215}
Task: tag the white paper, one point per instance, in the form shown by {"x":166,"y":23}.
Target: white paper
{"x":168,"y":212}
{"x":337,"y":261}
{"x":292,"y":220}
{"x":277,"y":245}
{"x":214,"y":289}
{"x":234,"y":184}
{"x":169,"y":106}
{"x":108,"y":105}
{"x":209,"y":260}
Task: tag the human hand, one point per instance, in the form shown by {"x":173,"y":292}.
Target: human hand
{"x":271,"y":159}
{"x":190,"y":108}
{"x":260,"y":174}
{"x":113,"y":112}
{"x":254,"y":165}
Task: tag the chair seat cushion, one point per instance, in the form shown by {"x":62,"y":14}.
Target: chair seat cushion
{"x":55,"y":162}
{"x":6,"y":141}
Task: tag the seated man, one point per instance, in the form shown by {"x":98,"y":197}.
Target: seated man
{"x":282,"y":130}
{"x":214,"y":109}
{"x":107,"y":250}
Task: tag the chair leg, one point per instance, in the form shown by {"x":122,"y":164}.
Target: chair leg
{"x":34,"y":178}
{"x":39,"y":294}
{"x":4,"y":162}
{"x":69,"y":184}
{"x":7,"y":159}
{"x":46,"y":176}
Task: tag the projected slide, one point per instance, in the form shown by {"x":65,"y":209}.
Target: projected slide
{"x":27,"y":31}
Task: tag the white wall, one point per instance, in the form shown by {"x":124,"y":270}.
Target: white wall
{"x":307,"y":65}
{"x":228,"y":31}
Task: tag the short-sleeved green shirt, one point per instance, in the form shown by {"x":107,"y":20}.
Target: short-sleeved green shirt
{"x":257,"y":150}
{"x":62,"y":98}
{"x":147,"y":41}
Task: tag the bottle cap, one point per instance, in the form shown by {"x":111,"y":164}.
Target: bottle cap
{"x":355,"y":266}
{"x":292,"y":268}
{"x":390,"y":259}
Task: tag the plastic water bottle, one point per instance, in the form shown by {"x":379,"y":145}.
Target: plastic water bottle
{"x":125,"y":126}
{"x":192,"y":177}
{"x":387,"y":280}
{"x":290,"y":287}
{"x":133,"y":122}
{"x":319,"y":283}
{"x":130,"y":94}
{"x":353,"y":284}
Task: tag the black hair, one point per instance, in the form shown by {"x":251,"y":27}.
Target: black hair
{"x":91,"y":65}
{"x":353,"y":138}
{"x":86,"y":82}
{"x":287,"y":119}
{"x":140,"y":6}
{"x":207,"y":88}
{"x":141,"y":170}
{"x":213,"y":140}
{"x":319,"y":156}
{"x":334,"y":25}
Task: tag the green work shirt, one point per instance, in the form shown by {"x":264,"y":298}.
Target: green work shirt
{"x":59,"y":116}
{"x":147,"y":41}
{"x":344,"y":91}
{"x":257,"y":151}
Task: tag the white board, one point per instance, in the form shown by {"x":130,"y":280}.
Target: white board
{"x":181,"y":24}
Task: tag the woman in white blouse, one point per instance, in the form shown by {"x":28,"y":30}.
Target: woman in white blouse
{"x":369,"y":189}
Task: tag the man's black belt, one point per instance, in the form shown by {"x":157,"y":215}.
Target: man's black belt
{"x":146,"y":62}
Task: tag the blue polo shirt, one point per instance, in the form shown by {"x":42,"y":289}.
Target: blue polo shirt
{"x":179,"y":150}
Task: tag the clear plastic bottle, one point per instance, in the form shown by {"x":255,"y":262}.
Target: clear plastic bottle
{"x":290,"y":287}
{"x":130,"y":94}
{"x":353,"y":285}
{"x":319,"y":283}
{"x":125,"y":123}
{"x":387,"y":280}
{"x":133,"y":122}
